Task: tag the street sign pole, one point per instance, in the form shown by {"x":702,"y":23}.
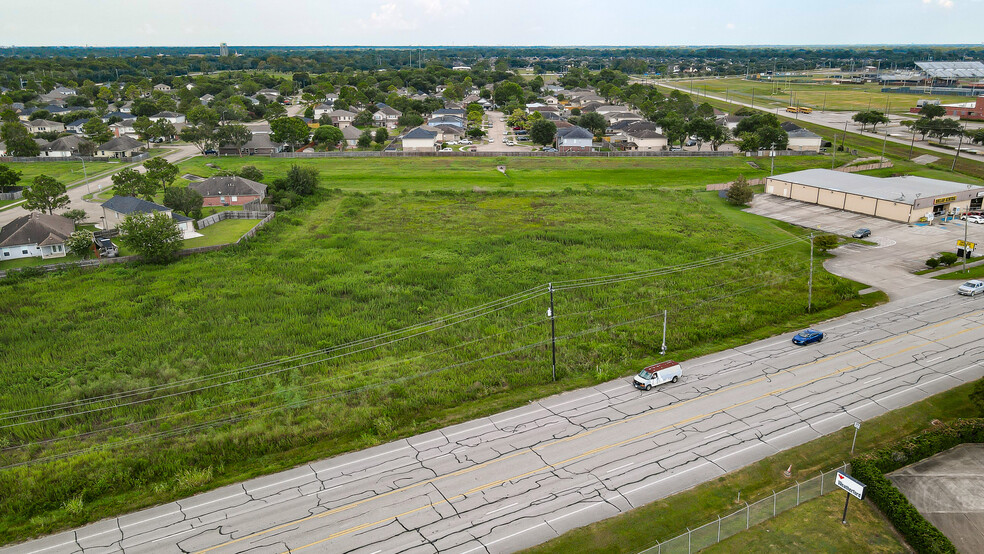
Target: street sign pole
{"x":846,"y":502}
{"x":857,"y":425}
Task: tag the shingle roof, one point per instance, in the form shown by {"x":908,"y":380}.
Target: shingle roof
{"x":575,"y":132}
{"x":228,"y":185}
{"x":35,"y":228}
{"x":120,"y":144}
{"x":64,"y":144}
{"x":129,"y":205}
{"x":418,"y":133}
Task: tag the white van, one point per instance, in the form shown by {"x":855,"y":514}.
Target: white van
{"x":658,"y":374}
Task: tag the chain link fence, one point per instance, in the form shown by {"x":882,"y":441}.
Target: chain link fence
{"x":757,"y":512}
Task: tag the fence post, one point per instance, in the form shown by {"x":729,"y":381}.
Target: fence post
{"x":689,"y":551}
{"x":821,"y":483}
{"x":797,"y":493}
{"x":719,"y":528}
{"x":773,"y":502}
{"x":747,"y":510}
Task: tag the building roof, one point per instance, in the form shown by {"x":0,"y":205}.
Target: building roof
{"x":64,"y":144}
{"x":388,"y":110}
{"x":351,"y":132}
{"x":418,"y":133}
{"x":341,"y":113}
{"x":35,"y":228}
{"x":228,"y":185}
{"x":952,"y":70}
{"x":895,"y":189}
{"x":130,"y":205}
{"x":575,"y":132}
{"x":42,"y":123}
{"x":120,"y":144}
{"x":645,"y":134}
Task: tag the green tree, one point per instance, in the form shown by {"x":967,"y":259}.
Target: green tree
{"x":328,"y":136}
{"x":948,"y":258}
{"x":290,"y":130}
{"x":203,"y":136}
{"x":274,"y":112}
{"x":702,"y":129}
{"x":154,"y":236}
{"x":977,"y":396}
{"x":365,"y":139}
{"x":740,"y":193}
{"x":163,"y":129}
{"x":594,"y":122}
{"x":363,"y":119}
{"x":46,"y":194}
{"x":945,"y":128}
{"x":160,"y":171}
{"x":824,"y":243}
{"x":76,"y":215}
{"x":144,"y":128}
{"x":931,"y":111}
{"x":301,"y":181}
{"x":250,"y":172}
{"x":410,"y":119}
{"x":506,"y":91}
{"x":184,"y":200}
{"x":202,"y":115}
{"x":542,"y":132}
{"x":720,"y":136}
{"x":976,"y":136}
{"x":80,"y":243}
{"x":674,"y":127}
{"x":8,"y":177}
{"x":237,"y":135}
{"x":130,"y":182}
{"x":96,"y":130}
{"x":19,"y":141}
{"x":381,"y":135}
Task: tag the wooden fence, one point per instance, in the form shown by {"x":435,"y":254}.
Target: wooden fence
{"x":231,"y":214}
{"x":523,"y":154}
{"x":865,"y":167}
{"x":264,"y":219}
{"x":726,"y":186}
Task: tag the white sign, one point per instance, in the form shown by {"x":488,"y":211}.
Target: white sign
{"x":857,"y":424}
{"x":848,"y":483}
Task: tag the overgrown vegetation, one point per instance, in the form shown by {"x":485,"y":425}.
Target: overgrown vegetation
{"x":354,"y":265}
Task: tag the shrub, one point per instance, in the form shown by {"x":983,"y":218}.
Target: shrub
{"x":948,"y":258}
{"x":740,"y":193}
{"x":825,"y":242}
{"x":933,"y":263}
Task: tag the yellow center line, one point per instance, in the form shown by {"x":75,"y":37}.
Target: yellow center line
{"x":589,"y":432}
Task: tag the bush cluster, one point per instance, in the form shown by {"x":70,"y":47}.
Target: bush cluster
{"x":871,"y":469}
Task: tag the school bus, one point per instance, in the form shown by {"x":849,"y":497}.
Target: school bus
{"x":805,"y":110}
{"x":792,"y":109}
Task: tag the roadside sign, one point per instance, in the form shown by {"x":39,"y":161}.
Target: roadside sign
{"x":857,"y":424}
{"x":851,"y":485}
{"x":969,"y":245}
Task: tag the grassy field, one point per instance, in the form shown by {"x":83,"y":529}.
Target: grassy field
{"x":223,"y":232}
{"x":522,"y":174}
{"x":815,"y":526}
{"x":66,"y":172}
{"x":34,"y":262}
{"x":814,"y":94}
{"x":638,"y":529}
{"x":353,"y":265}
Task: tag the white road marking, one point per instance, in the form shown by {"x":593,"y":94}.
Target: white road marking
{"x":520,"y":415}
{"x":933,"y":360}
{"x":740,"y":451}
{"x":799,"y":405}
{"x":787,"y":433}
{"x":620,"y":467}
{"x":486,"y":545}
{"x":474,"y":428}
{"x":665,"y":478}
{"x":871,"y":380}
{"x":174,"y":535}
{"x":571,"y":401}
{"x":574,"y":512}
{"x":503,"y":508}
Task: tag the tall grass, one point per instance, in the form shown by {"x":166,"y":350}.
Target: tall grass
{"x":353,"y":266}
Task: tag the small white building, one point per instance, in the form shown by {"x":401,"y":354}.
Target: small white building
{"x":420,"y":140}
{"x":35,"y":236}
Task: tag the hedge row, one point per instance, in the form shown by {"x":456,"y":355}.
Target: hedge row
{"x":871,"y":468}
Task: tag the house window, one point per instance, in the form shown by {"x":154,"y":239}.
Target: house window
{"x":6,"y":253}
{"x":235,"y":198}
{"x":24,"y":252}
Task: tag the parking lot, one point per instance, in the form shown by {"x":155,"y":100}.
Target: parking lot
{"x":898,"y":249}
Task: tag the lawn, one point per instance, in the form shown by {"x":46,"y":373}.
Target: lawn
{"x":223,"y":232}
{"x":66,"y":172}
{"x":816,"y":94}
{"x":815,"y":526}
{"x":34,"y":262}
{"x":522,"y":174}
{"x":638,"y":529}
{"x":351,"y":265}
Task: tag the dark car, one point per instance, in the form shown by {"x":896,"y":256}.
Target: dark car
{"x":808,"y":336}
{"x":862,"y":233}
{"x":210,"y":152}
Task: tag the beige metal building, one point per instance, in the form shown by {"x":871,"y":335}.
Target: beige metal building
{"x":904,"y":199}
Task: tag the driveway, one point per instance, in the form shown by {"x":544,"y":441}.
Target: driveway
{"x":497,"y":134}
{"x":899,"y":248}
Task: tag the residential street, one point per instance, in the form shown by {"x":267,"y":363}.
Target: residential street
{"x":181,"y":152}
{"x":515,"y":479}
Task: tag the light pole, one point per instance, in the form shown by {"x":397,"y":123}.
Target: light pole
{"x":957,"y":153}
{"x":966,"y":249}
{"x":772,"y":154}
{"x":662,"y":349}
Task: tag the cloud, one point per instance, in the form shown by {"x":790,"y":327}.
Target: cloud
{"x":442,"y":7}
{"x":730,"y":26}
{"x":387,"y":16}
{"x":941,"y":3}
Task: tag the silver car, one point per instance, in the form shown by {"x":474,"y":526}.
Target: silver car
{"x":972,"y":288}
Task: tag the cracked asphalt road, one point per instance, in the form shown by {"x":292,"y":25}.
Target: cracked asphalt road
{"x":518,"y":478}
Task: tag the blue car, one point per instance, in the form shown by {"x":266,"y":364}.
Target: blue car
{"x":808,"y":336}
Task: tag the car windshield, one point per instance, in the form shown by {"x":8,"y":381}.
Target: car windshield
{"x":646,"y":375}
{"x":811,"y":332}
{"x":972,"y":284}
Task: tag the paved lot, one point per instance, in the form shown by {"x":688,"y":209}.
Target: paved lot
{"x":887,"y":265}
{"x":948,"y":490}
{"x":515,"y":479}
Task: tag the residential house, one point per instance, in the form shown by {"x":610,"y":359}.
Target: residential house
{"x":351,"y":134}
{"x":452,"y":120}
{"x":341,"y":118}
{"x":117,"y":208}
{"x":229,"y":190}
{"x":646,"y":139}
{"x":161,"y":87}
{"x":574,"y":139}
{"x":730,"y":121}
{"x":259,"y":144}
{"x":551,"y":101}
{"x":63,"y":147}
{"x":420,"y":140}
{"x":119,"y":147}
{"x":330,"y":98}
{"x":124,"y":127}
{"x":76,"y":126}
{"x":117,"y":115}
{"x":269,"y":93}
{"x":35,"y":236}
{"x":173,"y":117}
{"x":206,"y":99}
{"x":386,"y":116}
{"x":607,"y":109}
{"x":457,"y":112}
{"x":623,"y":116}
{"x":447,"y":132}
{"x":125,"y":107}
{"x":800,"y":139}
{"x":44,"y":126}
{"x":321,"y":109}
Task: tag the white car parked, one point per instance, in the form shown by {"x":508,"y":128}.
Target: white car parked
{"x":972,"y":288}
{"x":975,"y":218}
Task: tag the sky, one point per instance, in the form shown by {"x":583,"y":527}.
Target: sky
{"x":489,"y":22}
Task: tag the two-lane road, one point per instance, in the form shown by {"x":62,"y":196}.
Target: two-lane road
{"x":518,"y":478}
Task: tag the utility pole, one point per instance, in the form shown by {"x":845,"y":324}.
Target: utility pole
{"x":966,"y":251}
{"x":844,"y":141}
{"x":809,"y":301}
{"x":913,"y":142}
{"x":662,"y":349}
{"x":553,"y":333}
{"x":957,"y":153}
{"x":833,"y":152}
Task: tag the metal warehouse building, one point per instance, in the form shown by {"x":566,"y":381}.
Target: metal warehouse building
{"x":904,"y":199}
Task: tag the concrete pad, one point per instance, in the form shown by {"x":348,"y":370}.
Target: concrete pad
{"x":948,"y":490}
